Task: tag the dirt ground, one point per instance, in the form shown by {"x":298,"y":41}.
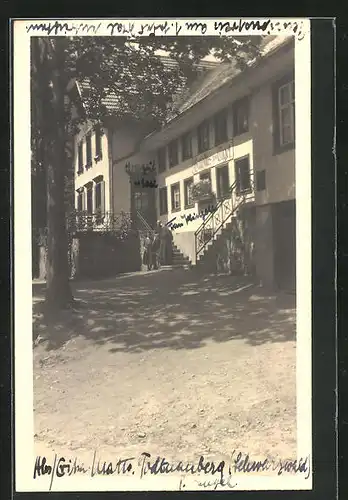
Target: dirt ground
{"x":169,"y":363}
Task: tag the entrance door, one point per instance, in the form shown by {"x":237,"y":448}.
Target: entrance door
{"x":144,"y":203}
{"x":284,"y":234}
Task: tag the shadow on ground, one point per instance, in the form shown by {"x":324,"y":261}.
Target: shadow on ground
{"x":167,"y":309}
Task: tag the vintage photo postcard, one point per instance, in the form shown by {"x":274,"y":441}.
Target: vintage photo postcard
{"x":162,"y":193}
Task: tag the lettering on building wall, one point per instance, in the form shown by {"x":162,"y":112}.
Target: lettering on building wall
{"x":141,"y":169}
{"x":213,"y":160}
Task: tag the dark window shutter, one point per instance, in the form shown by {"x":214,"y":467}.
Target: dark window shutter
{"x":260,"y":180}
{"x":98,"y":144}
{"x":83,"y":200}
{"x":102,"y":196}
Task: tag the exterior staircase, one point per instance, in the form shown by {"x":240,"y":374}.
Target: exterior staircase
{"x":179,"y":260}
{"x":209,"y":237}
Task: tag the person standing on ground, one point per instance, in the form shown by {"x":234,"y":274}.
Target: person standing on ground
{"x":166,"y":239}
{"x":155,"y":251}
{"x":148,"y":252}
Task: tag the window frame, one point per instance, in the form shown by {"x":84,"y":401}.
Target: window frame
{"x":278,"y":146}
{"x":289,"y":105}
{"x":186,"y":137}
{"x":172,"y":187}
{"x":240,"y":104}
{"x":204,"y":125}
{"x":188,"y":180}
{"x":99,"y":181}
{"x":218,"y":170}
{"x":237,"y":161}
{"x":80,"y":196}
{"x":89,"y":189}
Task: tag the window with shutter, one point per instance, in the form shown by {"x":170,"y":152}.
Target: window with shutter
{"x":284,"y":114}
{"x":89,"y":199}
{"x":223,"y":181}
{"x":80,"y":200}
{"x":175,"y":192}
{"x":242,"y":169}
{"x":240,"y":110}
{"x":100,"y":198}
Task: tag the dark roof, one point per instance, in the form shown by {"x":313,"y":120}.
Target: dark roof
{"x":220,"y":75}
{"x":111,"y":101}
{"x":209,"y":81}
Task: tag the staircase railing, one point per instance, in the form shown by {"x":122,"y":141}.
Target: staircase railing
{"x":144,"y":225}
{"x":223,"y":211}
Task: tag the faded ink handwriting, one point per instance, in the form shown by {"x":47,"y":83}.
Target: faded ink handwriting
{"x":225,"y":482}
{"x":243,"y":463}
{"x":133,"y":29}
{"x":212,"y":475}
{"x":62,"y":467}
{"x":57,"y":28}
{"x":162,"y":466}
{"x":191,"y":217}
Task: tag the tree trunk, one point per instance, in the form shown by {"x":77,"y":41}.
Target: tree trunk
{"x":58,"y":291}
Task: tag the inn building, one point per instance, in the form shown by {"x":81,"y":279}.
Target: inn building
{"x":229,"y":153}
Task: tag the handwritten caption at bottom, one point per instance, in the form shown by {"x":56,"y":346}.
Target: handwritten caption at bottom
{"x":209,"y":474}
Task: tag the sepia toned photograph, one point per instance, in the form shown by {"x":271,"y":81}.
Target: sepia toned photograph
{"x":164,"y":257}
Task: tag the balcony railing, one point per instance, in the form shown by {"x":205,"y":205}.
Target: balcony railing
{"x":108,"y":222}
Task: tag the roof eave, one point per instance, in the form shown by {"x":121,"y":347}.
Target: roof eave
{"x":284,"y":45}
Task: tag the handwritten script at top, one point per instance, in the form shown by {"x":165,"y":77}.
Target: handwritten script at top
{"x":209,"y":474}
{"x":170,"y":28}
